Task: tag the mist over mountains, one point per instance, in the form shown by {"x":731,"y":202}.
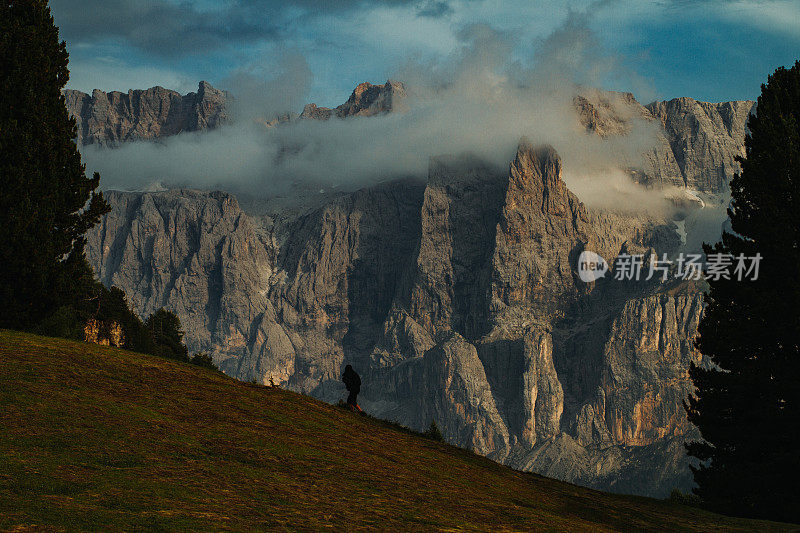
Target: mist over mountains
{"x":410,"y":233}
{"x":426,"y":231}
{"x":478,"y":100}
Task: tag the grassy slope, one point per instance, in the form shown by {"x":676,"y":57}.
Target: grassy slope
{"x":93,"y":437}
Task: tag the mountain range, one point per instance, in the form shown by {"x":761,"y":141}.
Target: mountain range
{"x":456,"y":298}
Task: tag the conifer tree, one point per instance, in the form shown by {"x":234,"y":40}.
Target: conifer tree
{"x":47,"y":203}
{"x":747,"y":405}
{"x":165,"y":328}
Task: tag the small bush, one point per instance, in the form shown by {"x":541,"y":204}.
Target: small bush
{"x":160,"y":334}
{"x":63,"y":323}
{"x":204,"y":360}
{"x":433,"y":432}
{"x":692,"y":500}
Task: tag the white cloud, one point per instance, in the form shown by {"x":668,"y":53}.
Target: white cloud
{"x":398,"y":30}
{"x":469,"y":102}
{"x":773,"y":16}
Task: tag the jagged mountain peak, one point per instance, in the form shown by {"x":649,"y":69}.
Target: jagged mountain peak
{"x":695,"y":145}
{"x":540,"y":162}
{"x":203,"y":86}
{"x":696,"y":142}
{"x":366,"y":100}
{"x":108,"y":118}
{"x":535,"y":177}
{"x":367,"y":96}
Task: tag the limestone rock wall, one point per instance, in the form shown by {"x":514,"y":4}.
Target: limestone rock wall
{"x":110,"y":118}
{"x":696,"y":142}
{"x":704,"y":139}
{"x":366,"y":100}
{"x":456,"y":301}
{"x":195,"y":253}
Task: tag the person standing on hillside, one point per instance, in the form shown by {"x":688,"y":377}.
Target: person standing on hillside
{"x":353,"y":383}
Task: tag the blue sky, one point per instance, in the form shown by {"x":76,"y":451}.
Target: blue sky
{"x":712,"y":50}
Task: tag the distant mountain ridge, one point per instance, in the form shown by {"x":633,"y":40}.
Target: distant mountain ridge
{"x":695,"y":149}
{"x":150,"y":114}
{"x":366,"y":100}
{"x":144,"y":115}
{"x":697,"y":142}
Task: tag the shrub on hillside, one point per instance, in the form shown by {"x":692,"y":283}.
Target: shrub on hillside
{"x":103,"y":309}
{"x":107,"y":309}
{"x":64,"y":323}
{"x":113,"y":307}
{"x":433,"y":432}
{"x":677,"y":496}
{"x":204,"y":360}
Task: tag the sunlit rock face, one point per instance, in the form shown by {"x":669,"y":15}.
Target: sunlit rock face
{"x":455,"y":298}
{"x":695,"y":147}
{"x":704,"y":139}
{"x":365,"y":101}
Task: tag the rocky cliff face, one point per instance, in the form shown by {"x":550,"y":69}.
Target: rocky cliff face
{"x":195,"y":253}
{"x":455,"y":298}
{"x":110,"y":118}
{"x":695,"y":146}
{"x":553,"y":365}
{"x":145,"y":115}
{"x":703,"y":139}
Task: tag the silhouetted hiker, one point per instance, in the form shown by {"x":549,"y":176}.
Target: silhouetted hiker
{"x":353,"y":383}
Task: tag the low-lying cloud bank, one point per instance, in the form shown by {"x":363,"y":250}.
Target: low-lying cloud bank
{"x":480,"y":100}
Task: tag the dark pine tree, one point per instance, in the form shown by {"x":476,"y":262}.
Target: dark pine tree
{"x":748,"y":407}
{"x":47,"y":203}
{"x":165,"y":328}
